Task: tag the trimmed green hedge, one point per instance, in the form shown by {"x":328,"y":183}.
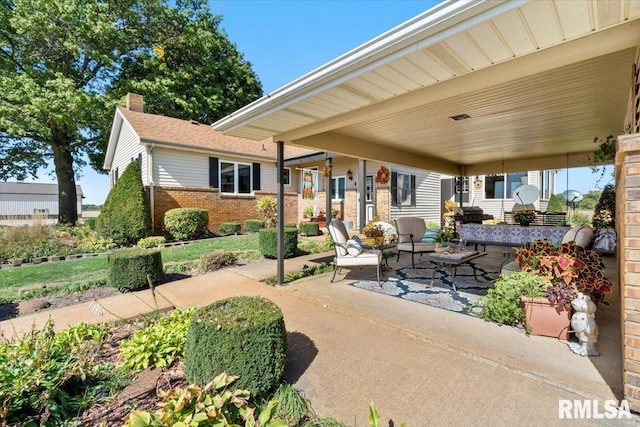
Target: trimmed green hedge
{"x":268,"y":241}
{"x":243,"y":336}
{"x":310,"y":228}
{"x":253,"y":225}
{"x":230,"y":228}
{"x":187,"y":223}
{"x":128,"y":270}
{"x":151,"y":242}
{"x":216,"y":260}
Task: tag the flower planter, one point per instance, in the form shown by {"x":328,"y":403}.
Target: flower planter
{"x":371,"y":241}
{"x":546,"y":318}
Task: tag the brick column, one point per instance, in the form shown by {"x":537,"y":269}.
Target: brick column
{"x":628,"y":251}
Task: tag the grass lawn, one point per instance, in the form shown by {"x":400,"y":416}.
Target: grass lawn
{"x":78,"y":274}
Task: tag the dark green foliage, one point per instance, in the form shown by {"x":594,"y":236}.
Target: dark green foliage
{"x":290,"y":225}
{"x":126,"y":215}
{"x":187,"y":223}
{"x":293,"y":407}
{"x":604,"y":215}
{"x":230,"y":228}
{"x":128,"y":270}
{"x":216,"y":260}
{"x":244,"y":336}
{"x":310,"y":228}
{"x":92,"y":223}
{"x":502,"y":302}
{"x":269,"y":242}
{"x":555,"y":205}
{"x":253,"y":225}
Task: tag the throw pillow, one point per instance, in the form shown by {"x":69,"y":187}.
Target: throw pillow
{"x":354,"y":246}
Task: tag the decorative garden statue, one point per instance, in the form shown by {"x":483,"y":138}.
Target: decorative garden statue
{"x":583,"y":323}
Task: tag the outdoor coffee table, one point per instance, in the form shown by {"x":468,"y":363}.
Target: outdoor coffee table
{"x":448,"y":263}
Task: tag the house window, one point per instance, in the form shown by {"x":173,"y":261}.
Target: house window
{"x":41,"y":211}
{"x":403,"y":189}
{"x":337,"y":188}
{"x":368,"y":194}
{"x":286,"y":176}
{"x":503,"y":186}
{"x":235,"y":178}
{"x":464,"y":181}
{"x":545,"y":184}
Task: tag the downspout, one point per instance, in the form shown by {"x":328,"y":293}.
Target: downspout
{"x":151,"y":185}
{"x":362,"y":190}
{"x":328,"y":163}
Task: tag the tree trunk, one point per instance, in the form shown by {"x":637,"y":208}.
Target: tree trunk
{"x":67,"y":198}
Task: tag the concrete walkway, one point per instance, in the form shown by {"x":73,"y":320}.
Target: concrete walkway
{"x":418,"y":364}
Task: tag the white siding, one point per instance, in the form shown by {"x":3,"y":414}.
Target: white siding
{"x":128,"y":148}
{"x":180,"y":168}
{"x":428,"y":198}
{"x":24,"y":204}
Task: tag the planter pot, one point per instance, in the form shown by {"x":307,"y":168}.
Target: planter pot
{"x":546,"y":318}
{"x":439,"y":249}
{"x":372,"y":241}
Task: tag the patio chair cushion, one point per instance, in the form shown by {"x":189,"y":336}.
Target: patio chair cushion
{"x":580,"y":234}
{"x":410,"y":226}
{"x":368,"y":257}
{"x":354,"y":246}
{"x":417,"y":247}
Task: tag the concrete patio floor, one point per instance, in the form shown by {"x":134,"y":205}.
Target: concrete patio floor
{"x":418,"y":364}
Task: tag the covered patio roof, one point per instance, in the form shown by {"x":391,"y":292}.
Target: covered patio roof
{"x":537,"y":80}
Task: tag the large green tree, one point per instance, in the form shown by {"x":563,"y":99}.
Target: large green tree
{"x":61,"y":68}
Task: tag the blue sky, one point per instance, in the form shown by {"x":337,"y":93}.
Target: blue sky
{"x":284,"y":40}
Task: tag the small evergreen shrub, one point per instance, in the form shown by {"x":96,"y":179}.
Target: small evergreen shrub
{"x":502,"y":302}
{"x":91,"y":223}
{"x":125,"y":216}
{"x":244,"y":336}
{"x":554,"y":205}
{"x":604,"y":215}
{"x":151,"y":242}
{"x":268,"y":207}
{"x":216,"y":260}
{"x":253,"y":225}
{"x":310,"y":228}
{"x":268,"y":241}
{"x":128,"y":270}
{"x":230,"y":228}
{"x":186,"y":223}
{"x":290,"y":225}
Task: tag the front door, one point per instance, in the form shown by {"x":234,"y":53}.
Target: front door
{"x":369,"y":197}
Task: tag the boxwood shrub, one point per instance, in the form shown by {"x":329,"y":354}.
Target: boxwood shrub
{"x":128,"y":270}
{"x":243,"y":336}
{"x":230,"y":228}
{"x":310,"y":228}
{"x":253,"y":225}
{"x":186,"y":223}
{"x":268,"y":241}
{"x":151,"y":242}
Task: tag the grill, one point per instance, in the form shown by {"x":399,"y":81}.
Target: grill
{"x":469,"y":215}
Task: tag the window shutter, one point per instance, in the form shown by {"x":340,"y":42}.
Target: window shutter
{"x":394,"y":188}
{"x":213,"y":172}
{"x":413,"y":190}
{"x":139,"y":159}
{"x":256,"y":176}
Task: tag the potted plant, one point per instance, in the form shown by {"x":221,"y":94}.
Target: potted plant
{"x":502,"y":304}
{"x":524,"y":217}
{"x":307,"y":212}
{"x":444,"y":238}
{"x":374,"y":232}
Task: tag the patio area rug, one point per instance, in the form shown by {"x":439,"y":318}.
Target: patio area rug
{"x":415,"y":284}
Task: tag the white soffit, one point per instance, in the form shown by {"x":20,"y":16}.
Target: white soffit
{"x":444,"y":44}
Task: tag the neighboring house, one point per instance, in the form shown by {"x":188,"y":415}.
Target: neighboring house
{"x":495,"y":194}
{"x":188,"y":164}
{"x":26,"y":202}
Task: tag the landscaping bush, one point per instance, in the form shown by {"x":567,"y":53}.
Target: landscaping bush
{"x":253,"y":225}
{"x":186,"y":223}
{"x":46,"y":378}
{"x":126,"y":215}
{"x":268,"y":240}
{"x":230,"y":228}
{"x":151,"y":242}
{"x":554,"y":205}
{"x":244,"y":336}
{"x":604,"y":215}
{"x":91,"y":223}
{"x":290,"y":225}
{"x":310,"y":228}
{"x":159,"y":344}
{"x":268,"y":207}
{"x":502,"y":302}
{"x":216,"y":260}
{"x":128,"y":270}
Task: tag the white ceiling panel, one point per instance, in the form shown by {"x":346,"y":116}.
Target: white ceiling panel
{"x":608,"y":13}
{"x":425,"y":61}
{"x":384,"y":84}
{"x":413,"y":72}
{"x":512,"y":30}
{"x":574,"y":17}
{"x":540,"y":18}
{"x":375,"y":93}
{"x":466,"y":48}
{"x":398,"y":76}
{"x":449,"y":59}
{"x":490,"y":42}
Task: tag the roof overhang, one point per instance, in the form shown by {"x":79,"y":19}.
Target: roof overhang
{"x":538,"y":80}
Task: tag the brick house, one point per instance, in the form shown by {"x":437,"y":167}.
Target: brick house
{"x":188,"y":164}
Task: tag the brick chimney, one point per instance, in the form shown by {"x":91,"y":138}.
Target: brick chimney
{"x":135,"y":102}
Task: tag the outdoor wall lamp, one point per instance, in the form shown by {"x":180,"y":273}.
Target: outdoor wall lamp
{"x":350,"y":175}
